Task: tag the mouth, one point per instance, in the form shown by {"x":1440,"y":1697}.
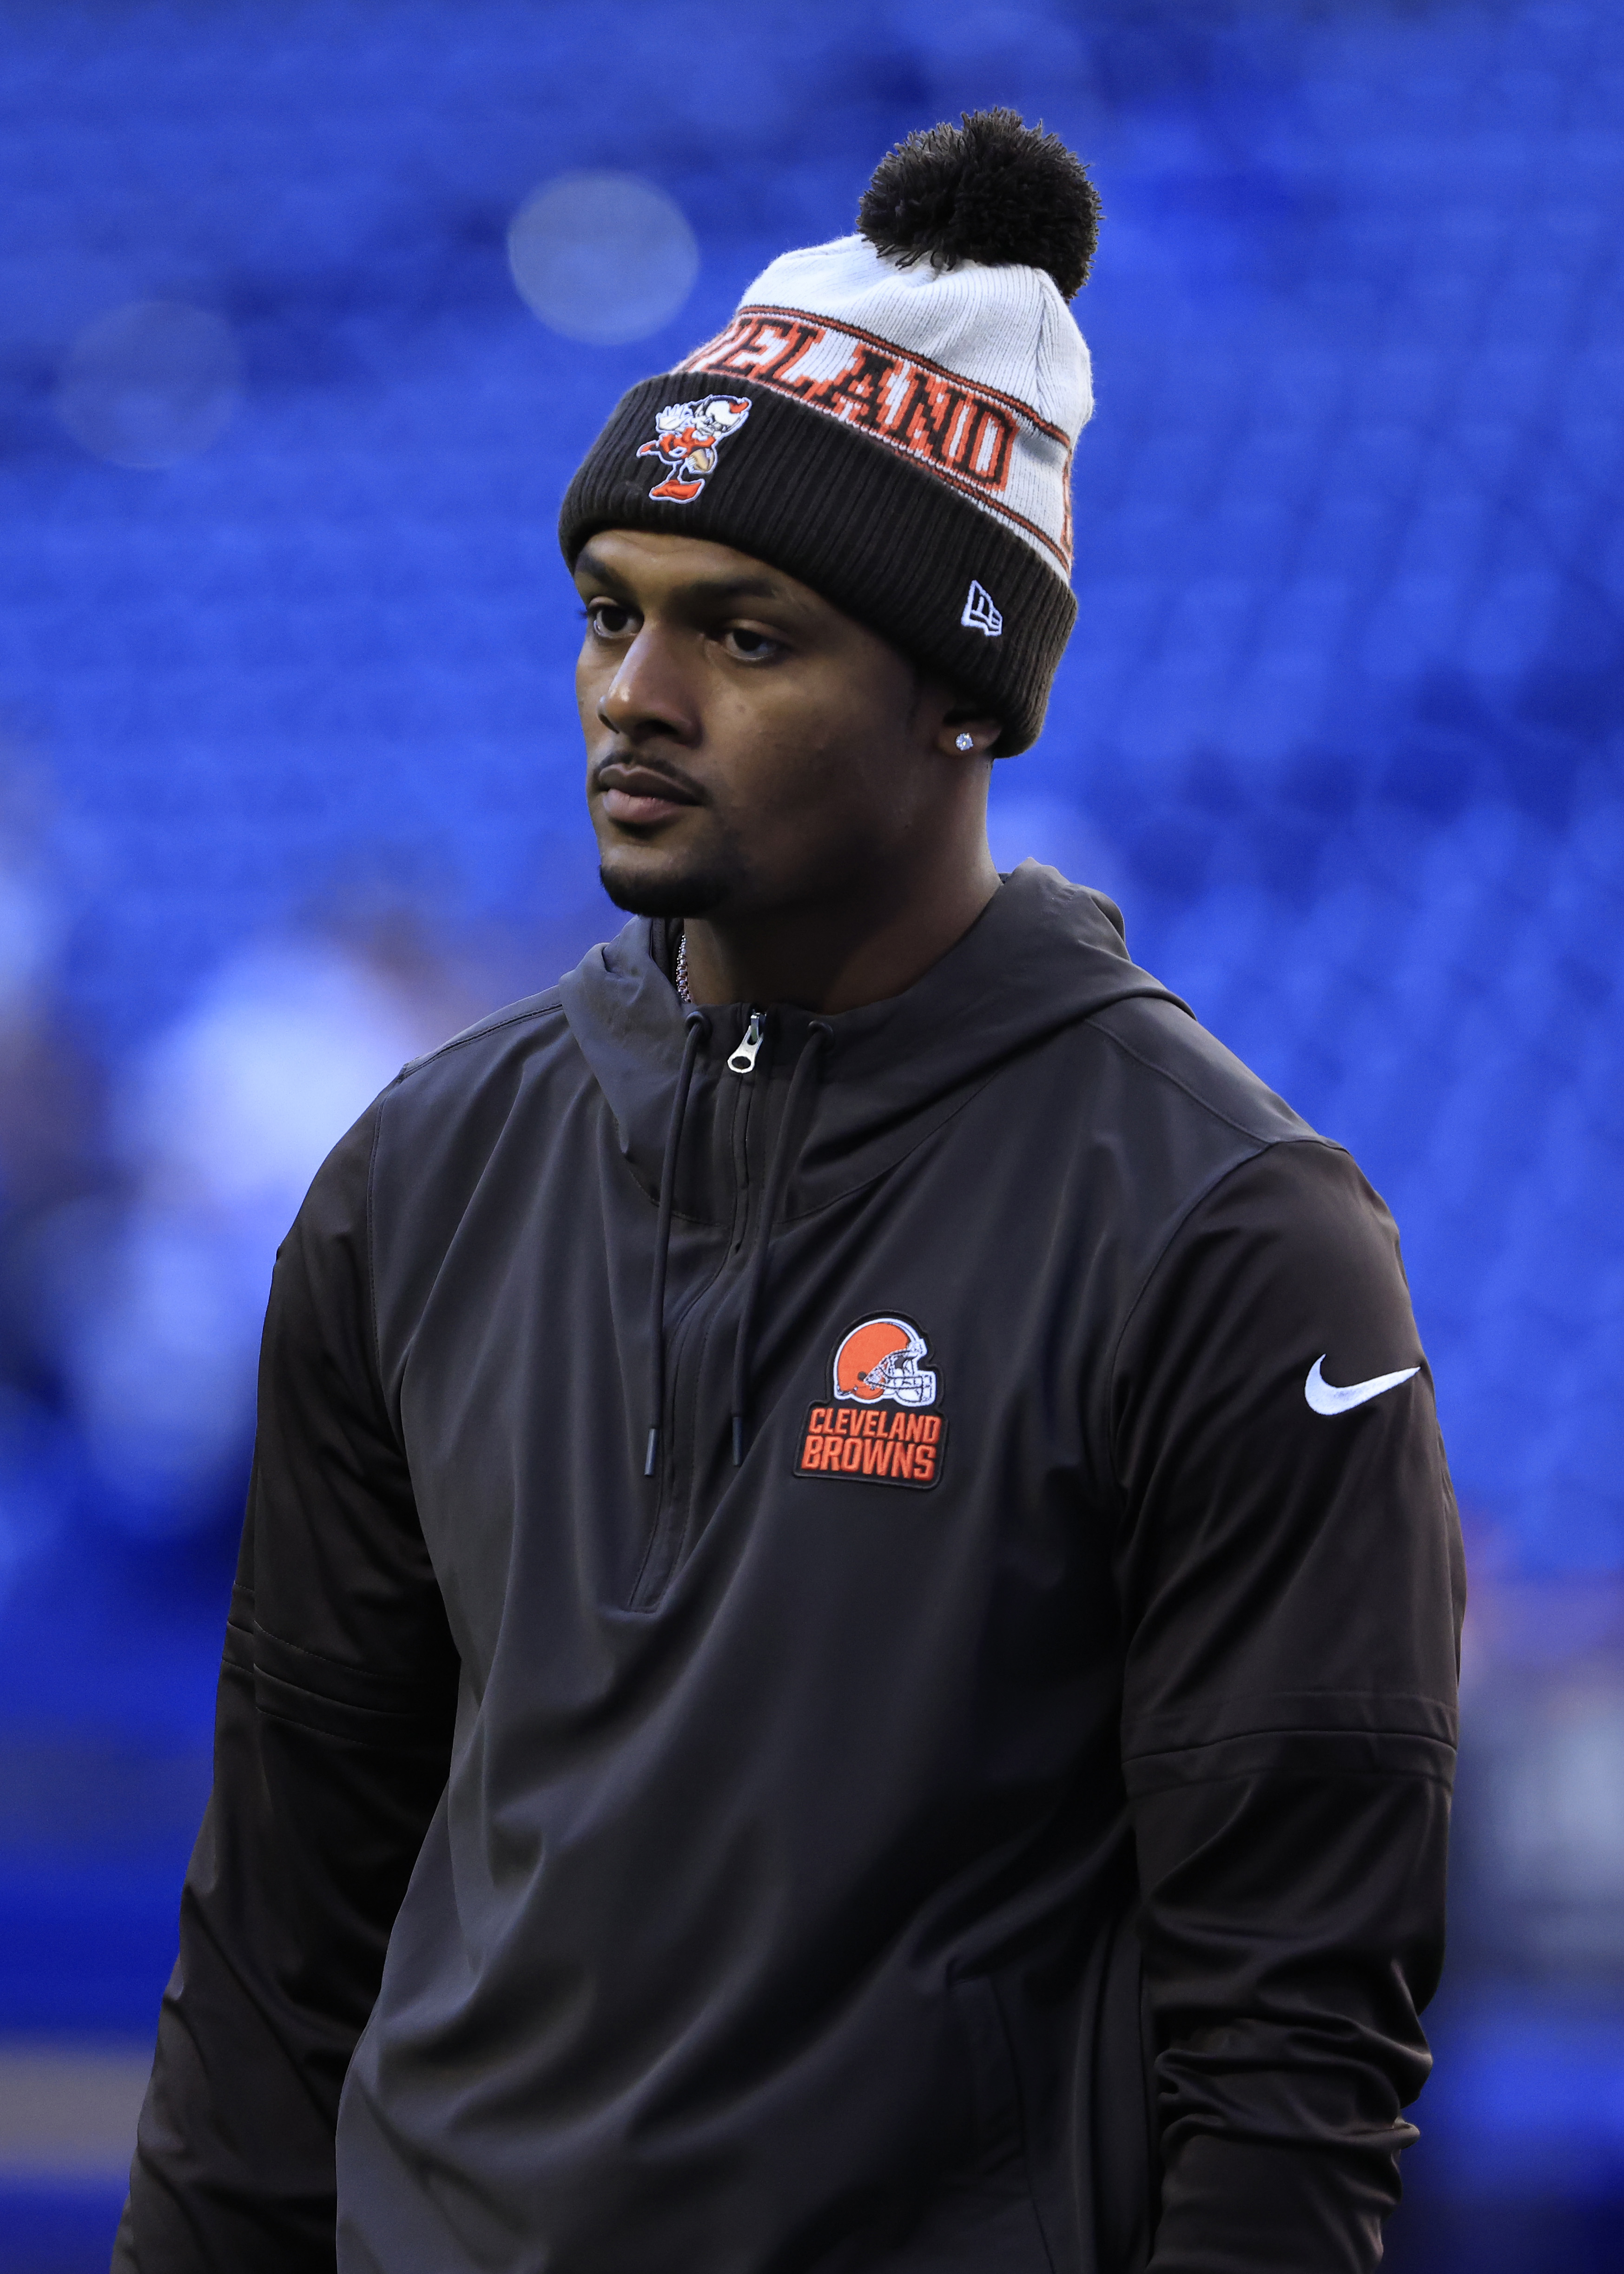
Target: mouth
{"x":637,"y":795}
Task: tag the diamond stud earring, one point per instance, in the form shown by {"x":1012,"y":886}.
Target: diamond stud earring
{"x":965,"y":741}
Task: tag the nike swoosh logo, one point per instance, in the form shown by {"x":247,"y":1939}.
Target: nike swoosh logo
{"x":1326,"y":1397}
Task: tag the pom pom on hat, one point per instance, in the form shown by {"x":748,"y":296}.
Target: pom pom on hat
{"x":991,"y":190}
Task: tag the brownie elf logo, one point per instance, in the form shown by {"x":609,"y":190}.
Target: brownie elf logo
{"x":688,"y":436}
{"x":877,"y":1428}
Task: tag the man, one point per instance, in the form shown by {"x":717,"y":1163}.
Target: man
{"x":847,"y":1638}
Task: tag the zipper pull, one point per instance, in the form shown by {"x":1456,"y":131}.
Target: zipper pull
{"x":743,"y":1060}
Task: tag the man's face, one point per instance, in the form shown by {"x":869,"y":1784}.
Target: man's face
{"x":749,"y":748}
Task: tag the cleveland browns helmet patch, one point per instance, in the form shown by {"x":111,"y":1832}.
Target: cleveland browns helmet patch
{"x":688,"y":436}
{"x":878,"y":1427}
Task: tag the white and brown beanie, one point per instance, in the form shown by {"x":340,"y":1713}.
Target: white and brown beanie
{"x":891,"y":419}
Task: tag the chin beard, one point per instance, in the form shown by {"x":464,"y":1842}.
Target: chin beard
{"x":694,"y":894}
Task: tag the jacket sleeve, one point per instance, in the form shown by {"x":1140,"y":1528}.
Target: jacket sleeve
{"x":337,"y":1694}
{"x":1292,"y":1586}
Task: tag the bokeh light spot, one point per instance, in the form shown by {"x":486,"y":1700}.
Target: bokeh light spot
{"x":602,"y":257}
{"x":150,"y":383}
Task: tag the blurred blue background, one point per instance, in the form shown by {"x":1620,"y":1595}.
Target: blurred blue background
{"x":304,"y":320}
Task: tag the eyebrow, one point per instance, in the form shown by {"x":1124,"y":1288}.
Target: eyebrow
{"x":714,"y":591}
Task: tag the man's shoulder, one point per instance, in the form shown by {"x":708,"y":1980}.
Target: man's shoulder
{"x":1211,"y":1152}
{"x":465,"y":1117}
{"x":1170,"y":1065}
{"x":452,"y":1104}
{"x":515,"y":1028}
{"x":496,"y":1050}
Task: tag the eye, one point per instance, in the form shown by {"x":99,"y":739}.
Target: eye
{"x":608,"y":618}
{"x":749,"y":645}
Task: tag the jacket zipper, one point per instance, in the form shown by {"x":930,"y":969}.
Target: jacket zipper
{"x":676,"y":1485}
{"x":744,"y":1055}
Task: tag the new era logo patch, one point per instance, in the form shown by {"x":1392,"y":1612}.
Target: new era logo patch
{"x":981,"y":611}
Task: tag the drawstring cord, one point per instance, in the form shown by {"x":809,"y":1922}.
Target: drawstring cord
{"x":818,"y":1037}
{"x":698,"y":1028}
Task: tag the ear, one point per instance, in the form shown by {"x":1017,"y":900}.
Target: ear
{"x":941,"y":713}
{"x":960,"y":719}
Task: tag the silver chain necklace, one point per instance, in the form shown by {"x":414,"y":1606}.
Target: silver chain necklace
{"x":685,"y":993}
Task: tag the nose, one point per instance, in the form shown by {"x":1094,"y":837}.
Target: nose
{"x":649,"y":695}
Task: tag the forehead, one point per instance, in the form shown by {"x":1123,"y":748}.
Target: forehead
{"x":653,"y":563}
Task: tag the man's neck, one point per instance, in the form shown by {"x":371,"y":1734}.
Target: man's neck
{"x":837,"y":955}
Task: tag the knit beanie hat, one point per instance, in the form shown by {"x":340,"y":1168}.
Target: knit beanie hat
{"x":890,"y":419}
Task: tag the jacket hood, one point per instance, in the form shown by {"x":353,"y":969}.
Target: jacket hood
{"x":1044,"y":954}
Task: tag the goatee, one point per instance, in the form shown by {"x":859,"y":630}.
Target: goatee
{"x":693,"y":894}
